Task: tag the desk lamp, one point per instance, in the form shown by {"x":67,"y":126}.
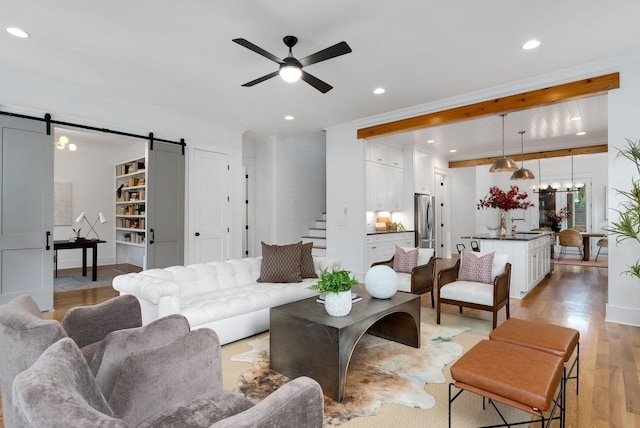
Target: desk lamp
{"x":100,"y":217}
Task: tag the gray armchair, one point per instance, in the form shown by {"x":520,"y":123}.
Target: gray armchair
{"x":178,"y":384}
{"x":24,"y":334}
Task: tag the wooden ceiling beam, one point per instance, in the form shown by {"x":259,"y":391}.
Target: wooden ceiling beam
{"x":540,"y":97}
{"x":587,"y":150}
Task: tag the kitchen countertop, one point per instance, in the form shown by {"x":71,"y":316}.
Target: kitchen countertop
{"x":388,"y":232}
{"x":518,"y":236}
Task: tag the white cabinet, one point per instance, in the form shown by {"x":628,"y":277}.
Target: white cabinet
{"x":382,"y":153}
{"x":382,"y":246}
{"x":530,"y":261}
{"x":385,"y":178}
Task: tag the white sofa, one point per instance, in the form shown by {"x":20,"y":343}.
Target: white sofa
{"x":224,"y":296}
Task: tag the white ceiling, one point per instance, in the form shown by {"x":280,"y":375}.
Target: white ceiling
{"x":179,"y":55}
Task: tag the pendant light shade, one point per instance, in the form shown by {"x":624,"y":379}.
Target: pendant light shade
{"x":503,"y":164}
{"x":522,"y":173}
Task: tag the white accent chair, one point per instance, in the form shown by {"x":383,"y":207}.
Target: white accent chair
{"x":476,"y":295}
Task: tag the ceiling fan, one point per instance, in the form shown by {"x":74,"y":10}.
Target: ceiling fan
{"x":291,"y":68}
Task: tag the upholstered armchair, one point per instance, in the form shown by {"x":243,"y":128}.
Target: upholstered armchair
{"x":178,"y":384}
{"x":416,"y":279}
{"x":24,"y":334}
{"x":463,"y":288}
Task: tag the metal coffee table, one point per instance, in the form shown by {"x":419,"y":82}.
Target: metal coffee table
{"x":306,"y":341}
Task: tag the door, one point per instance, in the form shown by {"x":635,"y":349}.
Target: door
{"x":165,"y":200}
{"x":209,"y":207}
{"x":26,"y":211}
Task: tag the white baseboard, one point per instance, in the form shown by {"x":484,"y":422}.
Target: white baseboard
{"x":623,"y":315}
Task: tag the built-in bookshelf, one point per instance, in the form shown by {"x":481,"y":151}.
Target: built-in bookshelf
{"x":131,"y":180}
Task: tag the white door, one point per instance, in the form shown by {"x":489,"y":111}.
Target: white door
{"x":26,"y":211}
{"x":443,"y":214}
{"x":209,"y":207}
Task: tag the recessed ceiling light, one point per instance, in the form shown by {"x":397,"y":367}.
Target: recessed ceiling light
{"x":18,"y":32}
{"x":379,"y":91}
{"x":452,"y":151}
{"x":431,"y":141}
{"x":580,"y":133}
{"x":576,"y":118}
{"x":288,"y":117}
{"x":531,"y":44}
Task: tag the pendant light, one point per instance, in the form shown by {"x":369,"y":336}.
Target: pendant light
{"x":522,"y":173}
{"x":503,"y":164}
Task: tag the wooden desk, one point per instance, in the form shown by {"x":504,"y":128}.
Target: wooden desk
{"x":84,"y":244}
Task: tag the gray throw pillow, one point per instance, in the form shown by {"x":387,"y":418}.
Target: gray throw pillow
{"x":280,"y":263}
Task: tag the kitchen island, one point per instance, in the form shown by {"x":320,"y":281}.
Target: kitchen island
{"x":529,"y":254}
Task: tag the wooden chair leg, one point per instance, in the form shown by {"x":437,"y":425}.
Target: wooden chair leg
{"x":599,"y":248}
{"x":432,"y":299}
{"x":438,"y":313}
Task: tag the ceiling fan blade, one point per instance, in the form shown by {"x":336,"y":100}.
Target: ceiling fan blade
{"x":325,"y":54}
{"x":315,"y":82}
{"x":247,"y":44}
{"x":262,"y":79}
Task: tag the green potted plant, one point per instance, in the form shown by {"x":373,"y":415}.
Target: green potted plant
{"x":628,"y":224}
{"x":336,"y":287}
{"x":396,"y":226}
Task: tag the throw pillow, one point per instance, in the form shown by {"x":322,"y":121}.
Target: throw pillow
{"x":475,"y":268}
{"x":405,"y":261}
{"x":280,"y":263}
{"x":307,"y":269}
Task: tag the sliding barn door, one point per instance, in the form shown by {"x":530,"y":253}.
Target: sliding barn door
{"x":165,"y":199}
{"x":26,"y":211}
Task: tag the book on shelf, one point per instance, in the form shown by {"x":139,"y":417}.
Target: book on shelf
{"x":354,"y":298}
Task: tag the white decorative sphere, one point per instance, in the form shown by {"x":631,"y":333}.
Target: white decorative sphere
{"x":381,"y":282}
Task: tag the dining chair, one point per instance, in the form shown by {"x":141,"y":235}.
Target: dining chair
{"x":602,"y":242}
{"x":570,"y":238}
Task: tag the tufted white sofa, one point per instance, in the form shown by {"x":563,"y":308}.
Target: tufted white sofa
{"x":224,"y":296}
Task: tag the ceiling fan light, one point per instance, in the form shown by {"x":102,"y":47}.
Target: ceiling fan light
{"x":290,"y":73}
{"x":503,"y":164}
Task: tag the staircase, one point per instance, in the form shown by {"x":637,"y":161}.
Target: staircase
{"x":318,"y":235}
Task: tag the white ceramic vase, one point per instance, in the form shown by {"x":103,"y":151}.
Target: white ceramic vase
{"x":338,"y":304}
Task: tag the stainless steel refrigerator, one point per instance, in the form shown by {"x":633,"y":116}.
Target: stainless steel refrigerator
{"x":425,"y":221}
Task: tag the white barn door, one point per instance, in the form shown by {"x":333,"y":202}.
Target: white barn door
{"x":26,"y":211}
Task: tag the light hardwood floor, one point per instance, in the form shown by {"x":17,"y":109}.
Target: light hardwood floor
{"x":571,"y":296}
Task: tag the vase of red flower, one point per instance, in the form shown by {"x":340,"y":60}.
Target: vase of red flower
{"x":505,"y":202}
{"x":556,"y":218}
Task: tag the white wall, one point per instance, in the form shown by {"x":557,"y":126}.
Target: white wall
{"x":624,"y":110}
{"x":343,"y":147}
{"x":290,"y":187}
{"x":90,"y":170}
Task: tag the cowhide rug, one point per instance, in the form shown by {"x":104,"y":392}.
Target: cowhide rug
{"x":380,"y":371}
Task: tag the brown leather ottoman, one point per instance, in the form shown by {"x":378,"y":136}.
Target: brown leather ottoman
{"x":517,"y":376}
{"x":557,"y":340}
